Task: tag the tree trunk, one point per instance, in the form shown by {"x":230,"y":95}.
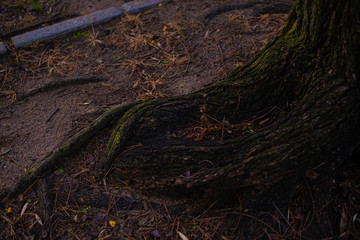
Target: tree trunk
{"x":293,"y":108}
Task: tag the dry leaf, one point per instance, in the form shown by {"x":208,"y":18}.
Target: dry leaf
{"x":182,"y":236}
{"x":24,"y":209}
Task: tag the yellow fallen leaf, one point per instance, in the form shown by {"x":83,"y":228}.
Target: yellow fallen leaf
{"x":8,"y":210}
{"x":112,"y":223}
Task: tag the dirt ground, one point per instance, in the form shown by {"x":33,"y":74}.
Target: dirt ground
{"x":165,"y":51}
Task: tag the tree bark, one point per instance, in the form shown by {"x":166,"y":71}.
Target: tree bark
{"x":304,"y":83}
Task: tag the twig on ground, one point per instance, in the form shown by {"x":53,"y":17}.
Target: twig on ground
{"x":48,"y":120}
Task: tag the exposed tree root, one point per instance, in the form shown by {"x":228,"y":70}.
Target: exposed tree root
{"x":42,"y":167}
{"x":61,"y":83}
{"x":46,"y":202}
{"x":275,"y":7}
{"x":260,"y":7}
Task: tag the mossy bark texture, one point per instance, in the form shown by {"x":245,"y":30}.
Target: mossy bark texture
{"x":310,"y":74}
